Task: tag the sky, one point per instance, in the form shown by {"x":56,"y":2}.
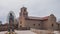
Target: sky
{"x":38,"y":8}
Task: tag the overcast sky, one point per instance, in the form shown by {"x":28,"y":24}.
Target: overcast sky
{"x":34,"y":7}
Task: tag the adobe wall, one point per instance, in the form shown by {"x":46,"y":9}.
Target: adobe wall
{"x":34,"y":23}
{"x":44,"y":31}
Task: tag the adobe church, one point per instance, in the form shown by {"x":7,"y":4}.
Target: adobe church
{"x":45,"y":23}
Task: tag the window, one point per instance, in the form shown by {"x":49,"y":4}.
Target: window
{"x":34,"y":24}
{"x":20,"y":26}
{"x":24,"y":9}
{"x":52,"y":25}
{"x":58,"y":25}
{"x":38,"y":24}
{"x":20,"y":22}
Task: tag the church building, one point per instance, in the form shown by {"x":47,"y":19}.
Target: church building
{"x":45,"y":23}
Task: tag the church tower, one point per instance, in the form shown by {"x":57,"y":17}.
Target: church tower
{"x":24,"y":12}
{"x":22,"y":15}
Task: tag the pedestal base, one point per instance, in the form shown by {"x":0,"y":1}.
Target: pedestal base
{"x":10,"y":33}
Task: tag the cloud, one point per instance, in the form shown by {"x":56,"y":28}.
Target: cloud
{"x":35,"y":7}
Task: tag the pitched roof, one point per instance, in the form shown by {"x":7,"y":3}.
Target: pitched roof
{"x":38,"y":18}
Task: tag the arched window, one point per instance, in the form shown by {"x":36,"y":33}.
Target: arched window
{"x":24,"y":9}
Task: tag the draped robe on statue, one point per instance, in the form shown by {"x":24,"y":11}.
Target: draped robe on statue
{"x":11,"y":23}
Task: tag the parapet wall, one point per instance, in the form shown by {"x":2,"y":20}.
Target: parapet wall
{"x":43,"y":31}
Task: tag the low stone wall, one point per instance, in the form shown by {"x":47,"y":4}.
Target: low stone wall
{"x":42,"y":31}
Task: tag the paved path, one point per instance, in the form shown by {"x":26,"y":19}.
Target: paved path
{"x":20,"y":32}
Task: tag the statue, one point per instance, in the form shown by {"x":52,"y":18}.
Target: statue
{"x":11,"y":24}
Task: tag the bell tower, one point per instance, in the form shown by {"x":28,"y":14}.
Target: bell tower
{"x":22,"y":15}
{"x":24,"y":12}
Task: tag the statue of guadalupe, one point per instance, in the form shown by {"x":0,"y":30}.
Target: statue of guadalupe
{"x":11,"y":22}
